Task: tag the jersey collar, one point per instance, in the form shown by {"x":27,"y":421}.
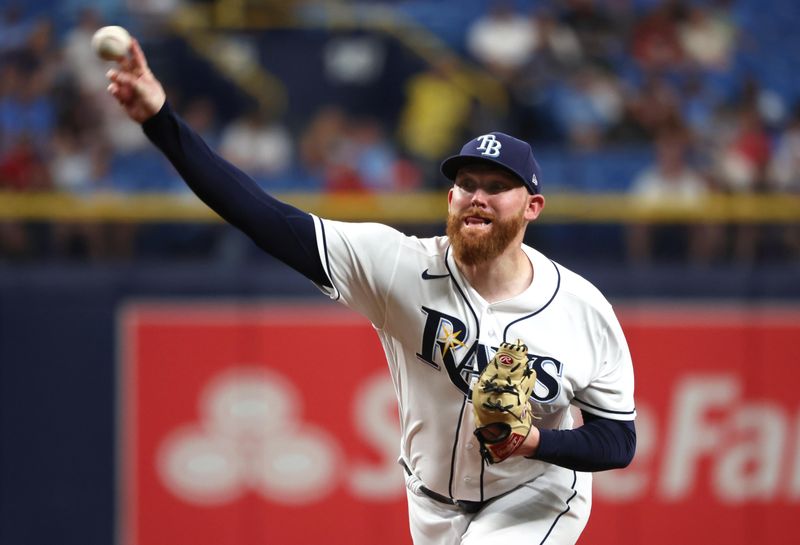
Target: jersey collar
{"x":542,"y":290}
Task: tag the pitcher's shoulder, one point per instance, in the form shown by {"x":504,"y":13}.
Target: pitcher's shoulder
{"x":582,"y":289}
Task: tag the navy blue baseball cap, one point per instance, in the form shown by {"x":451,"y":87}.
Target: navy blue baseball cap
{"x":500,"y":149}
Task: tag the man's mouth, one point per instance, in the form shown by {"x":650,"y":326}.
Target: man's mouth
{"x":479,"y":221}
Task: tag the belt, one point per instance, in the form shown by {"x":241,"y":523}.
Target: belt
{"x":465,"y":505}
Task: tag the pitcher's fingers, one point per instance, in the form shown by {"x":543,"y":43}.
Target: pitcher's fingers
{"x":122,"y":78}
{"x":138,"y":60}
{"x":112,"y":74}
{"x":113,"y":89}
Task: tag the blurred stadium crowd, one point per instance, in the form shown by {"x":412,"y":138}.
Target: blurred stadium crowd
{"x":663,"y":99}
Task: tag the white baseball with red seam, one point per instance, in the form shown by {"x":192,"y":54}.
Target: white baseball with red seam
{"x":111,"y":42}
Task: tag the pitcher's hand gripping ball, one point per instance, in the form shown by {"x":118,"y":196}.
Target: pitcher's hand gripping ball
{"x":503,"y":416}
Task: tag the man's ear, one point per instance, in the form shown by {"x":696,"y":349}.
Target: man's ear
{"x":535,"y":207}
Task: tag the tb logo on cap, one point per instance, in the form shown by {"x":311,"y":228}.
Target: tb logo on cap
{"x":489,"y":145}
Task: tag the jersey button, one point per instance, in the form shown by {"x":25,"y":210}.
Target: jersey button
{"x":467,"y":479}
{"x":469,"y":446}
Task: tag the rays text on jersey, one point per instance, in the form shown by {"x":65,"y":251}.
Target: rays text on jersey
{"x":445,"y":343}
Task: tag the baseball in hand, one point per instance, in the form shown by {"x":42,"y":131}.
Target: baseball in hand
{"x":111,"y":42}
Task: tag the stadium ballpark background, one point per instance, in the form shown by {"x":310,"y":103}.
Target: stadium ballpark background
{"x":243,"y":423}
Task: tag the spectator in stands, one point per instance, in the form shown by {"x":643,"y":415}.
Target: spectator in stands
{"x":707,"y":39}
{"x":656,"y":44}
{"x":784,"y":168}
{"x":27,"y":112}
{"x":26,"y":107}
{"x":22,"y":169}
{"x":671,"y":181}
{"x":340,"y":142}
{"x":320,"y":143}
{"x":503,"y":40}
{"x":655,"y":107}
{"x":347,"y":154}
{"x":84,"y":66}
{"x":436,"y":114}
{"x":14,"y":28}
{"x":558,"y":48}
{"x":22,"y":166}
{"x":587,"y":105}
{"x":699,"y":106}
{"x":78,"y":167}
{"x":602,"y":38}
{"x":368,"y":162}
{"x":557,"y":55}
{"x":744,"y":154}
{"x":742,"y":163}
{"x":376,"y":162}
{"x":40,"y":52}
{"x":752,"y":93}
{"x":260,"y":144}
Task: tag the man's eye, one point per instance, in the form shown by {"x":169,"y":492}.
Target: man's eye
{"x":492,"y":188}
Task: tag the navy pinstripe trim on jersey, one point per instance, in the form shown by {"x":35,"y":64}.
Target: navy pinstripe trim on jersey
{"x":601,"y":409}
{"x":483,"y":471}
{"x":566,"y":509}
{"x":463,"y":295}
{"x":477,"y":336}
{"x":455,"y":448}
{"x":547,"y":304}
{"x":328,"y":259}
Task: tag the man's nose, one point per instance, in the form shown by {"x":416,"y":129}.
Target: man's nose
{"x":479,"y":197}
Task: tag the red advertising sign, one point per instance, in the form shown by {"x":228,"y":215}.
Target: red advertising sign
{"x":276,"y":424}
{"x":254,"y":425}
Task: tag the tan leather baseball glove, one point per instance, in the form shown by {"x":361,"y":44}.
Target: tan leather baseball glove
{"x":503,"y":416}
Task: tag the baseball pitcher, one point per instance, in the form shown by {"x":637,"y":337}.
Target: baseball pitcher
{"x":488,"y":342}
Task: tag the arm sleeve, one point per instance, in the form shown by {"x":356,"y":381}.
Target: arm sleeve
{"x":279,"y":229}
{"x":599,"y":444}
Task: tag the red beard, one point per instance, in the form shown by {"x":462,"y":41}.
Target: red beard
{"x":475,"y":248}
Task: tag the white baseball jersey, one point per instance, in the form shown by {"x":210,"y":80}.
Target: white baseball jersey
{"x":438,"y":333}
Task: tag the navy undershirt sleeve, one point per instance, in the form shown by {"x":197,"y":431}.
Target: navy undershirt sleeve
{"x":600,"y":444}
{"x":280,"y":229}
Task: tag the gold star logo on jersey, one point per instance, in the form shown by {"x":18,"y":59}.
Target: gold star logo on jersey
{"x":450,"y":339}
